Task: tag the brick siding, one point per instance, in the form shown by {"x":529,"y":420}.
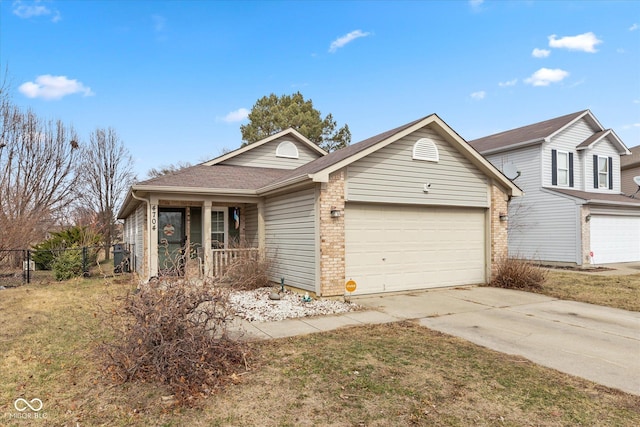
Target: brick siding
{"x":499,"y":244}
{"x":332,"y":249}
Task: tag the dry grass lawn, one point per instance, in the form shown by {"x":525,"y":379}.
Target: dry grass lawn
{"x":611,"y":291}
{"x":398,"y":374}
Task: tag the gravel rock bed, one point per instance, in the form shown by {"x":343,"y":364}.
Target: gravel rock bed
{"x":255,"y":306}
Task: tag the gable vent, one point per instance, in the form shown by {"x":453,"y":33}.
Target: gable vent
{"x":287,"y":149}
{"x":425,"y":149}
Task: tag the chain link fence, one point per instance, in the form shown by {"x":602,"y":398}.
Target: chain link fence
{"x":22,"y":266}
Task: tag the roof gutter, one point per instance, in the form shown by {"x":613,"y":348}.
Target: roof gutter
{"x":194,"y":190}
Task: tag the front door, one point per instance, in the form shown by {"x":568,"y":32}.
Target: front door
{"x":171,"y":241}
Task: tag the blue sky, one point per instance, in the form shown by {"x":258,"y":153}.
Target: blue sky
{"x":176,"y":78}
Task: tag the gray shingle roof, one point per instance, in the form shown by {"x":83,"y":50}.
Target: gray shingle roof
{"x":534,"y":132}
{"x":619,"y":199}
{"x":251,"y":178}
{"x":218,"y":176}
{"x":596,"y":136}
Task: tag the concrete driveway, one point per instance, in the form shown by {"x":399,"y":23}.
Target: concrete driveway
{"x":598,"y":343}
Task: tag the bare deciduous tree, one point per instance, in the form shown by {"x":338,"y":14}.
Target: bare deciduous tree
{"x":38,"y":161}
{"x":167,"y":169}
{"x":107,"y":173}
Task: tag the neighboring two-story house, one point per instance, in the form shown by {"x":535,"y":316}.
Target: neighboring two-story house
{"x":630,"y":169}
{"x":411,"y":208}
{"x":574,"y":210}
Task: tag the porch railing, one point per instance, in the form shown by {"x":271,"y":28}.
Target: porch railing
{"x":224,"y":258}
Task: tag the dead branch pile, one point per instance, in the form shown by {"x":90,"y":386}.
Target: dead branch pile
{"x":174,"y":332}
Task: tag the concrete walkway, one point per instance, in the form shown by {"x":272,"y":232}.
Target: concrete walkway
{"x":598,"y":343}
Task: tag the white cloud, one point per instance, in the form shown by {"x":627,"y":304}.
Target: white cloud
{"x":53,"y":87}
{"x":631,"y":126}
{"x":633,"y":27}
{"x":508,"y":83}
{"x":584,"y":42}
{"x":475,"y":4}
{"x":478,"y":95}
{"x":540,"y":53}
{"x":546,"y":76}
{"x":236,"y":116}
{"x":26,"y":10}
{"x":347,"y":38}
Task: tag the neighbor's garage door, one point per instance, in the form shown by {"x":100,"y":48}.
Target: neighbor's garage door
{"x":615,"y":238}
{"x":390,"y":248}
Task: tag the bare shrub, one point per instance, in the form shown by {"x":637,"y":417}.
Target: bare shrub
{"x":247,"y":271}
{"x":519,"y":273}
{"x":174,"y":332}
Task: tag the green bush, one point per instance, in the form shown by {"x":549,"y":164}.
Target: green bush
{"x":44,"y":253}
{"x":67,"y":264}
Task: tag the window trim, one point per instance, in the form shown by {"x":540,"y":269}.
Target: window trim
{"x":555,"y":169}
{"x":225,"y":219}
{"x":284,"y":146}
{"x":425,"y":149}
{"x":559,"y":168}
{"x":606,"y":174}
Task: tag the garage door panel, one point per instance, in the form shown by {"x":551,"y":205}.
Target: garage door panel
{"x":614,"y":238}
{"x":419,"y":247}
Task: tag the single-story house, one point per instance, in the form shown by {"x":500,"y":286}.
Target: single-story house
{"x":573,"y":210}
{"x":411,"y":208}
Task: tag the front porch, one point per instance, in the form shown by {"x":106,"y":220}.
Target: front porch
{"x":198,"y":238}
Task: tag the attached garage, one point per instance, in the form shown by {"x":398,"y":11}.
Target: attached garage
{"x":397,"y":247}
{"x":614,"y":238}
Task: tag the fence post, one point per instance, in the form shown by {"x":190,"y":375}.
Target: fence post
{"x":85,"y":269}
{"x":28,"y":266}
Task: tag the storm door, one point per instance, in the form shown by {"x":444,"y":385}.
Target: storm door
{"x":171,"y":241}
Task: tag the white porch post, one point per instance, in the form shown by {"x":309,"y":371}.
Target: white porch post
{"x":206,"y":238}
{"x":261,"y":229}
{"x":153,"y":236}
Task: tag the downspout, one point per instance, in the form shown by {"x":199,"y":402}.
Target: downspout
{"x":133,"y":194}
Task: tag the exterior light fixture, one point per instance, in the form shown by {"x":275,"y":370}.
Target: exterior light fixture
{"x":587,"y":218}
{"x":504,"y":216}
{"x":335,"y":213}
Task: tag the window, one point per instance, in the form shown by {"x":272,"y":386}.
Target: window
{"x":563,"y":168}
{"x":287,"y":149}
{"x":425,"y":149}
{"x":217,"y":230}
{"x":603,"y":172}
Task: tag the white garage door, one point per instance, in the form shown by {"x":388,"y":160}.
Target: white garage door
{"x":615,"y":239}
{"x":389,"y":248}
